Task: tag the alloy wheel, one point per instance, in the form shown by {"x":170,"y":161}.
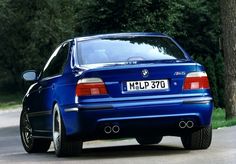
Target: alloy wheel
{"x":26,"y":131}
{"x":56,"y":128}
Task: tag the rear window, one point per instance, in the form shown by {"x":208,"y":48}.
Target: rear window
{"x":116,"y":50}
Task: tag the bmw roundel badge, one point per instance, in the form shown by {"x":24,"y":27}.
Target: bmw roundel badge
{"x":145,"y":73}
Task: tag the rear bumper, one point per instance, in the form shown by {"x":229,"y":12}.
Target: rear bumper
{"x":87,"y":121}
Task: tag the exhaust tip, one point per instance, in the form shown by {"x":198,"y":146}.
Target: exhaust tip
{"x":190,"y":124}
{"x":107,"y":129}
{"x":182,"y":124}
{"x":116,"y":129}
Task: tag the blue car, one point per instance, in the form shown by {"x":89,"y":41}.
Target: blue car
{"x":132,"y":85}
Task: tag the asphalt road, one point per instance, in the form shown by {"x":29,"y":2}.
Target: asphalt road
{"x":170,"y":150}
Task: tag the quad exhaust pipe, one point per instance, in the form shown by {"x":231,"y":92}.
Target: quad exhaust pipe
{"x":112,"y":129}
{"x":116,"y":128}
{"x":186,"y":124}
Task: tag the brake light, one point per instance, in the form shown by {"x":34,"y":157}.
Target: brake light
{"x":196,"y":80}
{"x":90,"y":86}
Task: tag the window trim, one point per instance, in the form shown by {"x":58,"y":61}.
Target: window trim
{"x":54,"y":54}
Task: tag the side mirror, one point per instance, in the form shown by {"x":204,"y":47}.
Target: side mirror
{"x":29,"y":75}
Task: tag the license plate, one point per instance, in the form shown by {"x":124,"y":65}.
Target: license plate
{"x":147,"y":85}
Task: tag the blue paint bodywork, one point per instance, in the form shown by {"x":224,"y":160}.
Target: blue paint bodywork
{"x":136,"y":113}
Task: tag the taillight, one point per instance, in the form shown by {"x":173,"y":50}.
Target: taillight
{"x":90,"y":86}
{"x":196,"y":80}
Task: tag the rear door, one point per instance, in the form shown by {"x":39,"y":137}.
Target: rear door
{"x":51,"y":74}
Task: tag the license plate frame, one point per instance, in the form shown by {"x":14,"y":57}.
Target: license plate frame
{"x":147,"y":85}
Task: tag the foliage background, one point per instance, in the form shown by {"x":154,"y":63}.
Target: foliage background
{"x":31,"y":29}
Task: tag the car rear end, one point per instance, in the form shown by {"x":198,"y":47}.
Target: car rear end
{"x":150,"y":88}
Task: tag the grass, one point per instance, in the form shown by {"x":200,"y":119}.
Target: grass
{"x":218,"y":119}
{"x":8,"y":101}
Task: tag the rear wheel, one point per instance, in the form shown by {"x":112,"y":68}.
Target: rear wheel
{"x":149,"y":140}
{"x":62,"y":146}
{"x":31,"y":145}
{"x":200,"y":139}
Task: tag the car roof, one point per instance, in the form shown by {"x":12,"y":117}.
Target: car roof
{"x":120,"y":35}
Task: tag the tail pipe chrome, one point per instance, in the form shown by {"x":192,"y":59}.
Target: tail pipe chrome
{"x":186,"y":124}
{"x":107,"y":129}
{"x":190,"y":124}
{"x":182,"y":124}
{"x":116,"y":129}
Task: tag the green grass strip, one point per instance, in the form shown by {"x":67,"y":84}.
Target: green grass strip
{"x":218,"y":119}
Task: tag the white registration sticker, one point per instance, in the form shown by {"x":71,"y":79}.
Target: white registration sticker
{"x":147,"y":85}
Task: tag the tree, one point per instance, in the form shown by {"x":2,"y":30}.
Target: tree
{"x":99,"y":16}
{"x":195,"y":25}
{"x":29,"y":32}
{"x":228,"y":21}
{"x":220,"y":74}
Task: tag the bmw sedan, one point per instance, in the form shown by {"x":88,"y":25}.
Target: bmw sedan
{"x":132,"y":85}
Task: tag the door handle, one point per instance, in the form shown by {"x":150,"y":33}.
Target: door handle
{"x":40,"y":89}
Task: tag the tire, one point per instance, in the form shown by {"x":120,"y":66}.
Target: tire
{"x":200,"y":139}
{"x":31,"y":145}
{"x":62,"y":146}
{"x":149,"y":140}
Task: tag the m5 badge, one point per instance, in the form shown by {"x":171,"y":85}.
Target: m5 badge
{"x":180,"y":73}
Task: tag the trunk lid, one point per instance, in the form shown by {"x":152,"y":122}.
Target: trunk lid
{"x":138,"y":79}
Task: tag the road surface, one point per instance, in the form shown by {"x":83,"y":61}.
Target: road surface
{"x":170,"y":150}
